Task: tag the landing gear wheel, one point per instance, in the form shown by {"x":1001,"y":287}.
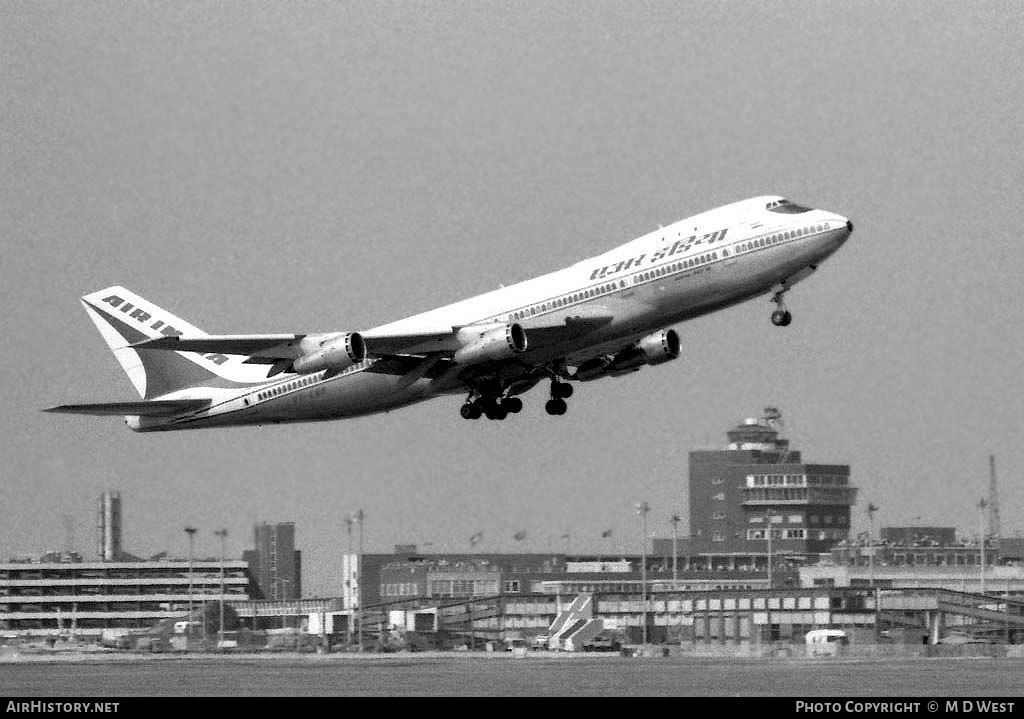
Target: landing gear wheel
{"x":561,"y":390}
{"x":555,"y":406}
{"x":781,"y":316}
{"x":470,"y":410}
{"x":495,"y":411}
{"x":514,"y":405}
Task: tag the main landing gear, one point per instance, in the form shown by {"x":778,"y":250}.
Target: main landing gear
{"x":781,"y":316}
{"x":560,"y":391}
{"x":491,"y":407}
{"x":499,"y":407}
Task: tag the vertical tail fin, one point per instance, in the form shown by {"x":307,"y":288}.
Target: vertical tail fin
{"x":124,"y":318}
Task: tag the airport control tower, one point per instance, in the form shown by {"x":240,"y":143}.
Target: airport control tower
{"x":757,"y":481}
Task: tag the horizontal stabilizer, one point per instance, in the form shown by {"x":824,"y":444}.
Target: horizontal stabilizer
{"x":153,"y":408}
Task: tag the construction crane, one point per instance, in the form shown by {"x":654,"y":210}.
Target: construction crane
{"x":994,"y":528}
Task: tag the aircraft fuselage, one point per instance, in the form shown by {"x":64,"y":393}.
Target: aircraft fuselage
{"x":692,"y":267}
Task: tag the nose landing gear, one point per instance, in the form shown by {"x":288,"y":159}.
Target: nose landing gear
{"x":781,"y":317}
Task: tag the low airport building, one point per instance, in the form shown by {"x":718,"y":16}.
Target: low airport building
{"x":87,"y":598}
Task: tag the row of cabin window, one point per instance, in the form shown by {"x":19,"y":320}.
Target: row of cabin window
{"x":779,"y":237}
{"x":669,"y":269}
{"x":563,"y":301}
{"x":677,"y":267}
{"x":281,"y":389}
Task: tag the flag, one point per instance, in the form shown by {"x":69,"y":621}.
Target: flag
{"x":606,"y":533}
{"x":872,"y":508}
{"x":518,"y":536}
{"x":475,"y":538}
{"x":565,"y":536}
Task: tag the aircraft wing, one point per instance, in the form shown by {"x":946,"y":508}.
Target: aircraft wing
{"x":421,"y":341}
{"x":410,"y":365}
{"x":566,"y":325}
{"x":276,"y":346}
{"x":152,"y":408}
{"x":541,"y":331}
{"x":381,"y":343}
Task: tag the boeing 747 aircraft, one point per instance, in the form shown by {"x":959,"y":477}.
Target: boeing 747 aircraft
{"x":603,"y":317}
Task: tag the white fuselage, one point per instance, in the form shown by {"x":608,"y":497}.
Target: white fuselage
{"x":695,"y":266}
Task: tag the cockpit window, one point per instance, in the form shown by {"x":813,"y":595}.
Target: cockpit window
{"x":785,"y":207}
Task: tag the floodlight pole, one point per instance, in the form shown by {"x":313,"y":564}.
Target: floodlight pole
{"x":223,"y":534}
{"x":675,"y":549}
{"x":191,"y":532}
{"x":360,"y":517}
{"x":348,"y":582}
{"x":642,"y":509}
{"x":769,"y":513}
{"x":981,"y":538}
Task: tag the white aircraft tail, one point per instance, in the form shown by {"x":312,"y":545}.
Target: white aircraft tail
{"x":124,"y":318}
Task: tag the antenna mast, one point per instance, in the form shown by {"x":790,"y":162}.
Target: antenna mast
{"x":773,"y":418}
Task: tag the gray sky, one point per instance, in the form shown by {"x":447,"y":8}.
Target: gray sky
{"x":309,"y":167}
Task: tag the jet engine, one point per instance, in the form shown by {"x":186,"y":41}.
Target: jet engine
{"x":333,"y":353}
{"x":489,"y":343}
{"x":651,"y":350}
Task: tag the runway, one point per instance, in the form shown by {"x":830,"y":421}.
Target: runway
{"x":503,"y":675}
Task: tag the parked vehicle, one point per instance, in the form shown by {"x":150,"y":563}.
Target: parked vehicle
{"x":602,"y":643}
{"x":825,"y":642}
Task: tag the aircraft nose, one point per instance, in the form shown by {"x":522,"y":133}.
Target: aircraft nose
{"x":843,"y":221}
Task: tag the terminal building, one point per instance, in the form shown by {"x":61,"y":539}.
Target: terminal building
{"x":86,"y":598}
{"x":60,"y":594}
{"x":407,"y":574}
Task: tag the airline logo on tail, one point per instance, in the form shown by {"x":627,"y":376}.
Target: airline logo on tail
{"x":143,"y":317}
{"x":124,"y":319}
